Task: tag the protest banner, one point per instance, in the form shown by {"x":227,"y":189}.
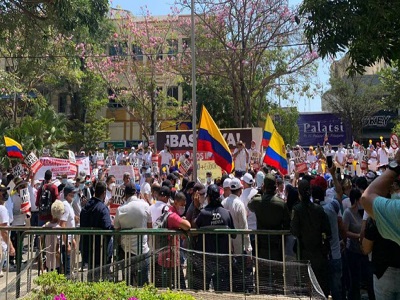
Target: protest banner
{"x":33,"y":162}
{"x":25,"y":200}
{"x":18,"y":171}
{"x":100,"y":159}
{"x":60,"y":166}
{"x":118,"y":172}
{"x":364,"y":162}
{"x":394,"y":141}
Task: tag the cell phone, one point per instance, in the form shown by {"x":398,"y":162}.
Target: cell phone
{"x":329,"y":160}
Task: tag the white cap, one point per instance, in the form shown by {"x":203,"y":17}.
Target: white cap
{"x":227,"y":183}
{"x":248,"y":178}
{"x":260,"y":179}
{"x":36,"y":182}
{"x":133,"y":148}
{"x":236,"y":184}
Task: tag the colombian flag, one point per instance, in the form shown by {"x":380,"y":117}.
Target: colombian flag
{"x":275,"y":154}
{"x":269,"y":128}
{"x":210,"y":139}
{"x":13,"y":148}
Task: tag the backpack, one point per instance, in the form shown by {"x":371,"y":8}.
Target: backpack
{"x":161,"y":241}
{"x":46,"y":200}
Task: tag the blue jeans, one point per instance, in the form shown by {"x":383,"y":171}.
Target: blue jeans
{"x":387,"y":287}
{"x":335,"y":278}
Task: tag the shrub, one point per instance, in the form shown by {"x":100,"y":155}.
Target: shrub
{"x":53,"y":286}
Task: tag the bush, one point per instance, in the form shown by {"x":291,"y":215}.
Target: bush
{"x":53,"y":286}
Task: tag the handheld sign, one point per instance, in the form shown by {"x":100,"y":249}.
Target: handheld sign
{"x":118,"y":194}
{"x":394,"y":141}
{"x":299,"y":161}
{"x":26,"y":200}
{"x":33,"y":162}
{"x":18,"y":171}
{"x":71,"y":157}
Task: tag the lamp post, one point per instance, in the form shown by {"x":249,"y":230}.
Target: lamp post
{"x":194,"y":102}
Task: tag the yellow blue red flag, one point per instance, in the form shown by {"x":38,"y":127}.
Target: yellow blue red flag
{"x":275,"y":153}
{"x":211,"y":140}
{"x":14,"y":149}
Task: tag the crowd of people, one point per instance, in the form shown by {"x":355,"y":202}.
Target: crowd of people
{"x":327,"y":209}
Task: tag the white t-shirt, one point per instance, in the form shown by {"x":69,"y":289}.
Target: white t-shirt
{"x":134,"y":213}
{"x":69,"y":215}
{"x":340,"y":156}
{"x":18,"y":216}
{"x":156,"y":210}
{"x":240,"y":160}
{"x":246,"y":196}
{"x":145,"y":188}
{"x":383,"y":156}
{"x":4,"y":219}
{"x":166,"y":157}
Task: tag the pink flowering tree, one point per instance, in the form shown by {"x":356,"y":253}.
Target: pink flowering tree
{"x":256,"y":47}
{"x":139,"y":66}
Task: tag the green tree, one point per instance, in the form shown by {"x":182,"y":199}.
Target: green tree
{"x":354,"y":98}
{"x":250,"y":45}
{"x":366,"y":29}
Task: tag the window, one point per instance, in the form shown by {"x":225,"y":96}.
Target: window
{"x":172,"y":92}
{"x":137,"y":53}
{"x":172,"y":48}
{"x":186,"y":44}
{"x":112,"y":99}
{"x":62,"y":103}
{"x":118,"y":49}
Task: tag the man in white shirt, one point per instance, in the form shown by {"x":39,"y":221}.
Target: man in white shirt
{"x":134,"y":213}
{"x":68,"y":221}
{"x":241,"y":157}
{"x":4,"y":222}
{"x":162,"y":200}
{"x":340,"y":158}
{"x":383,"y":155}
{"x":145,"y":188}
{"x":248,"y":193}
{"x":241,"y":244}
{"x":166,"y":158}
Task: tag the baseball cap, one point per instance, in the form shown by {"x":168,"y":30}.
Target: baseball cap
{"x":130,"y":189}
{"x":248,"y":178}
{"x":69,"y":188}
{"x":227,"y":183}
{"x":236,"y":184}
{"x":165,"y":191}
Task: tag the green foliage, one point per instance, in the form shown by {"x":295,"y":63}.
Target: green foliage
{"x":51,"y":284}
{"x":390,"y":78}
{"x":366,"y":29}
{"x":354,"y":98}
{"x":286,"y":123}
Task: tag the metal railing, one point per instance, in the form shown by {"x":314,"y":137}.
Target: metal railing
{"x":176,"y":260}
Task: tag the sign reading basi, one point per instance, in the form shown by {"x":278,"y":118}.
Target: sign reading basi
{"x":313,"y":126}
{"x":183,"y":139}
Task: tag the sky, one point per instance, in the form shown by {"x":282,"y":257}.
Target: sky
{"x":162,"y":7}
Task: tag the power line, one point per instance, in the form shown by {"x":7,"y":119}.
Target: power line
{"x":168,"y":54}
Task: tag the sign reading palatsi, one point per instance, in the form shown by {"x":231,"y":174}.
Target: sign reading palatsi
{"x":183,"y":139}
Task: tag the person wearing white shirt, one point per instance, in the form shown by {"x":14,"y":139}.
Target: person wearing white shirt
{"x":340,"y":158}
{"x":145,"y":188}
{"x":4,"y":222}
{"x":134,"y":213}
{"x":166,"y":157}
{"x":383,"y":155}
{"x":162,"y":199}
{"x":241,"y":157}
{"x":67,"y":220}
{"x":248,"y":193}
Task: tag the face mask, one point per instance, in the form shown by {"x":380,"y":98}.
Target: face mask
{"x":165,"y":149}
{"x":208,"y":179}
{"x":64,"y":181}
{"x":81,"y":186}
{"x":180,"y":210}
{"x":395,"y":196}
{"x":111,"y":186}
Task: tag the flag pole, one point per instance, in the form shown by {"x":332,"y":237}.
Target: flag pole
{"x":194,"y":101}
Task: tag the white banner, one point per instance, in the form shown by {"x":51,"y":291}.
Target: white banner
{"x":18,"y":171}
{"x":118,"y":172}
{"x":59,"y":166}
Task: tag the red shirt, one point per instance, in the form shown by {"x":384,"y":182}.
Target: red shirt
{"x":171,"y":253}
{"x":54,"y":196}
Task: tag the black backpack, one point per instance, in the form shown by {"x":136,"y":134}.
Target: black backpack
{"x":46,"y":200}
{"x":161,"y":241}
